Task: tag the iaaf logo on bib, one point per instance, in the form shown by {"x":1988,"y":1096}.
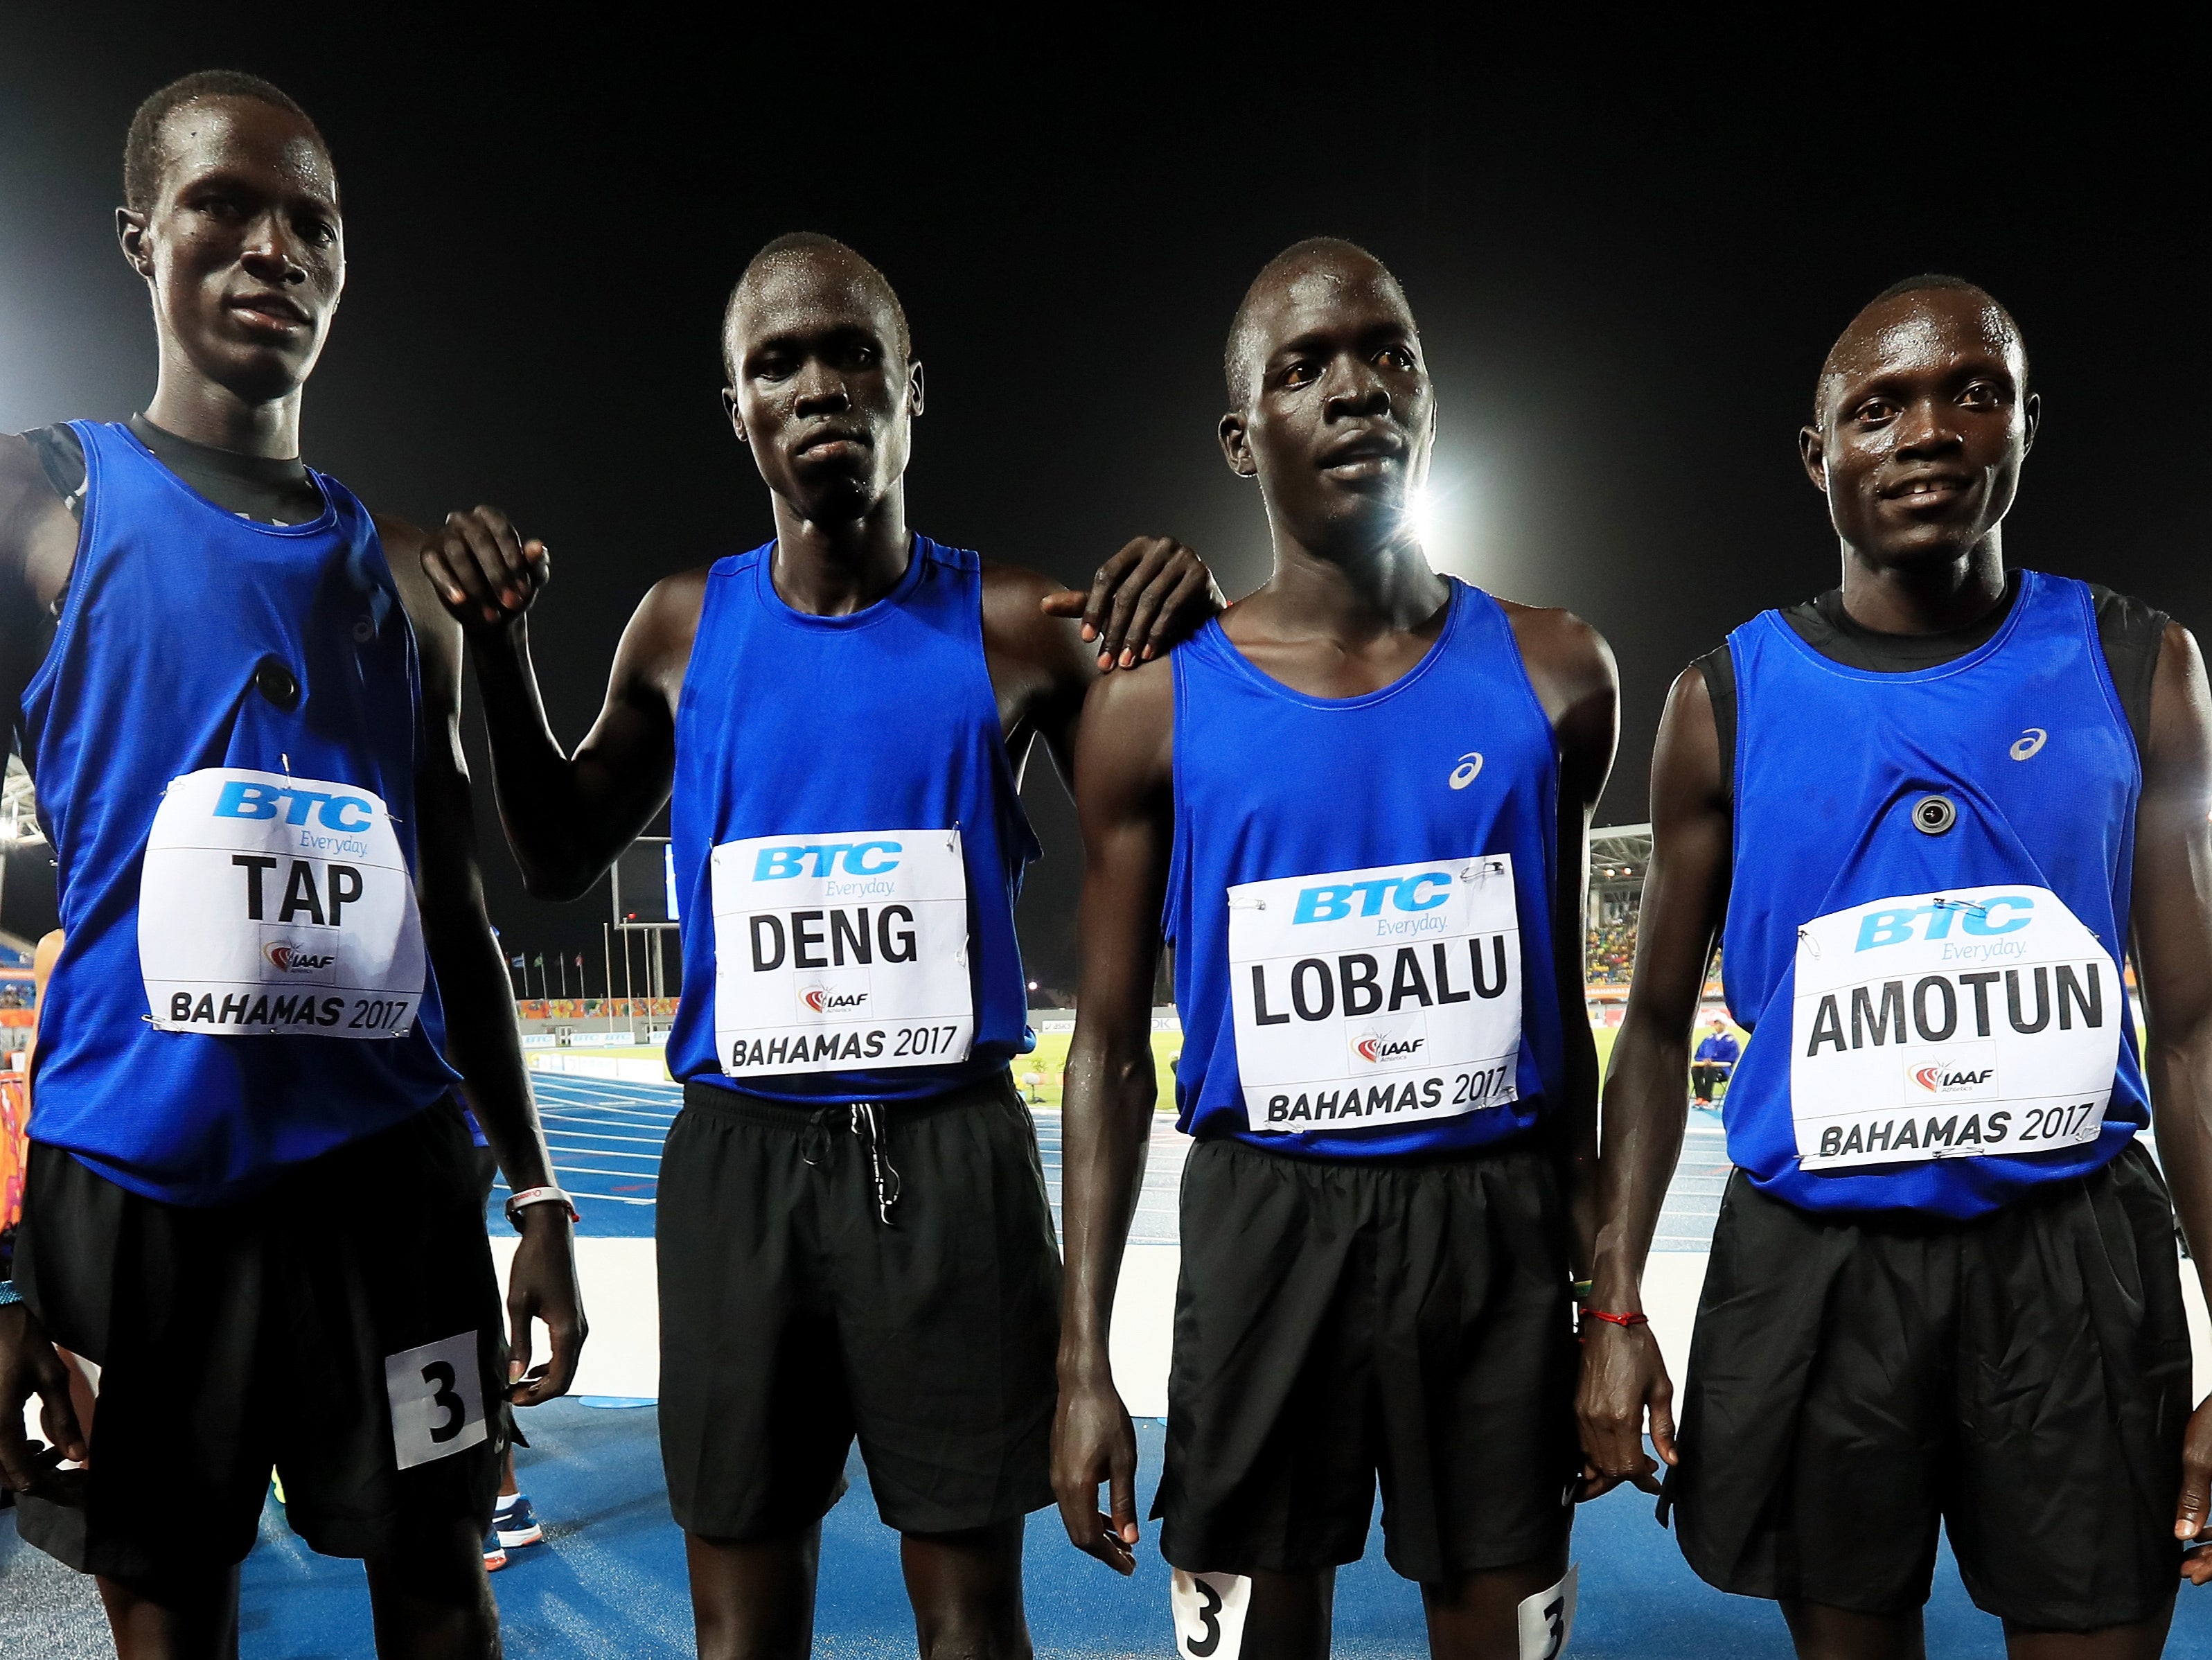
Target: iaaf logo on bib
{"x":1376,"y":1050}
{"x":1950,"y":1080}
{"x":823,"y":1001}
{"x":288,"y":957}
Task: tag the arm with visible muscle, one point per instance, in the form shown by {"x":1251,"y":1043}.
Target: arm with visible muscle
{"x":1124,"y":798}
{"x":1646,"y":1104}
{"x":566,"y":817}
{"x":2172,"y":905}
{"x":482,"y":1038}
{"x":1572,"y":669}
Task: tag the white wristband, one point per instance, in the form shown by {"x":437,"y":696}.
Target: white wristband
{"x":538,"y":1196}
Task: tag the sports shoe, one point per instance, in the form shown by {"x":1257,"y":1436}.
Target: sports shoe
{"x":495,"y":1553}
{"x":514,"y":1524}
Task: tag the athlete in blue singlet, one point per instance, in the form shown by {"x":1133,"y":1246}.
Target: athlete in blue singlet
{"x":1931,"y":817}
{"x":1357,"y":807}
{"x":853,"y":1233}
{"x":252,"y":1196}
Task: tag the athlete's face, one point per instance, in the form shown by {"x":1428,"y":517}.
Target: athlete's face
{"x":823,"y":398}
{"x":1923,"y":428}
{"x":243,"y":249}
{"x":1340,"y":415}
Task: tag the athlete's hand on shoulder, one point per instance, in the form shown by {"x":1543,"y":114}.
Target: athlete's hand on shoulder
{"x":1092,"y":1441}
{"x":1152,"y":594}
{"x":28,"y":1367}
{"x":541,"y":1284}
{"x":1624,"y":1374}
{"x":2191,"y":1517}
{"x":484,"y":569}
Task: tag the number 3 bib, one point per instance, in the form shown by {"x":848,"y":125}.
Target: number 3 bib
{"x":1377,"y":996}
{"x":277,"y":904}
{"x":1950,"y":1025}
{"x":843,"y":951}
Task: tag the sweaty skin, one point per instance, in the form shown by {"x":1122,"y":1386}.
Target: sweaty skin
{"x":243,"y":255}
{"x":1922,"y":433}
{"x":1337,"y":427}
{"x":825,"y":401}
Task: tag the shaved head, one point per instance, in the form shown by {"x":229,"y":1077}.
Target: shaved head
{"x":797,"y":252}
{"x":1321,"y":261}
{"x":1905,"y":305}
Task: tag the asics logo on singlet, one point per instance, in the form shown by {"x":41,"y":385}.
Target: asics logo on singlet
{"x":1377,"y":1050}
{"x":2006,"y":914}
{"x":1333,"y":902}
{"x":243,"y":799}
{"x":2025,"y":746}
{"x":822,"y":859}
{"x":1468,"y":770}
{"x":823,"y":1001}
{"x":287,"y":958}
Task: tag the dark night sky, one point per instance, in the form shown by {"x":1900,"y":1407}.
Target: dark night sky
{"x":1626,"y":275}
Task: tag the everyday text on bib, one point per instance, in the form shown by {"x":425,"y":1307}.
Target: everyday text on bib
{"x":842,"y":952}
{"x":1377,"y":996}
{"x":269,"y":903}
{"x":1948,"y":1025}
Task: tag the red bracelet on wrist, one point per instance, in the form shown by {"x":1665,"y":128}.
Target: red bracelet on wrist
{"x":1617,"y":1319}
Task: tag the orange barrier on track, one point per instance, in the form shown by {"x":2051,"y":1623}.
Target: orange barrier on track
{"x":14,"y":1147}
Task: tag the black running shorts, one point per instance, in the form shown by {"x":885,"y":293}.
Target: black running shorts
{"x":793,"y":1317}
{"x":343,"y":1326}
{"x":2023,"y":1379}
{"x":1336,"y":1320}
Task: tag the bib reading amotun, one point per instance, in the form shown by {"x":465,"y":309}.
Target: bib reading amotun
{"x":1389,"y":995}
{"x":277,"y":904}
{"x":1946,"y":1025}
{"x":841,"y":951}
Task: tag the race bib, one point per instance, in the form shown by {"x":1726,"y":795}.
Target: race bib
{"x":437,"y":1400}
{"x":839,"y":951}
{"x":1381,"y":996}
{"x":1547,"y":1618}
{"x":1209,"y":1614}
{"x":277,"y":904}
{"x":1950,"y":1025}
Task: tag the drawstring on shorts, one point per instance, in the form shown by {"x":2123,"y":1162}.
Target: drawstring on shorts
{"x":864,"y":1119}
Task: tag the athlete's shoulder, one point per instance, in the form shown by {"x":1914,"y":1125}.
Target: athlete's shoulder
{"x":27,"y":493}
{"x":1561,"y":651}
{"x":1016,"y":622}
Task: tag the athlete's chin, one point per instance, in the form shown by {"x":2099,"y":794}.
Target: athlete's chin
{"x":260,"y":371}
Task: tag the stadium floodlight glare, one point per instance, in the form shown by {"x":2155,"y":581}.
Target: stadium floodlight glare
{"x":1423,"y":517}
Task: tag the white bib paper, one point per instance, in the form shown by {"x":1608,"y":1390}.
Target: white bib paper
{"x":275,"y":904}
{"x":1390,"y":995}
{"x":1209,"y":1614}
{"x":1547,"y":1618}
{"x":1950,"y":1025}
{"x":838,"y":953}
{"x":437,"y":1400}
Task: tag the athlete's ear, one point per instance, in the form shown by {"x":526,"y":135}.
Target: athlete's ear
{"x":2034,"y":410}
{"x":737,"y":420}
{"x":913,"y":390}
{"x":1237,"y":446}
{"x":1812,"y":450}
{"x":130,"y":232}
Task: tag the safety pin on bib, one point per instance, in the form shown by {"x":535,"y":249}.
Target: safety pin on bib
{"x":1481,"y":869}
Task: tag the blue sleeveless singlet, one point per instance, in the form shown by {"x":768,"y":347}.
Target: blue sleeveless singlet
{"x":848,"y":842}
{"x":1927,"y":917}
{"x":1360,"y":900}
{"x":223,"y":738}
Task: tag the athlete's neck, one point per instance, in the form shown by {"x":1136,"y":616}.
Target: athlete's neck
{"x":1936,"y":597}
{"x":834,"y":568}
{"x":191,"y":406}
{"x":1385,"y":589}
